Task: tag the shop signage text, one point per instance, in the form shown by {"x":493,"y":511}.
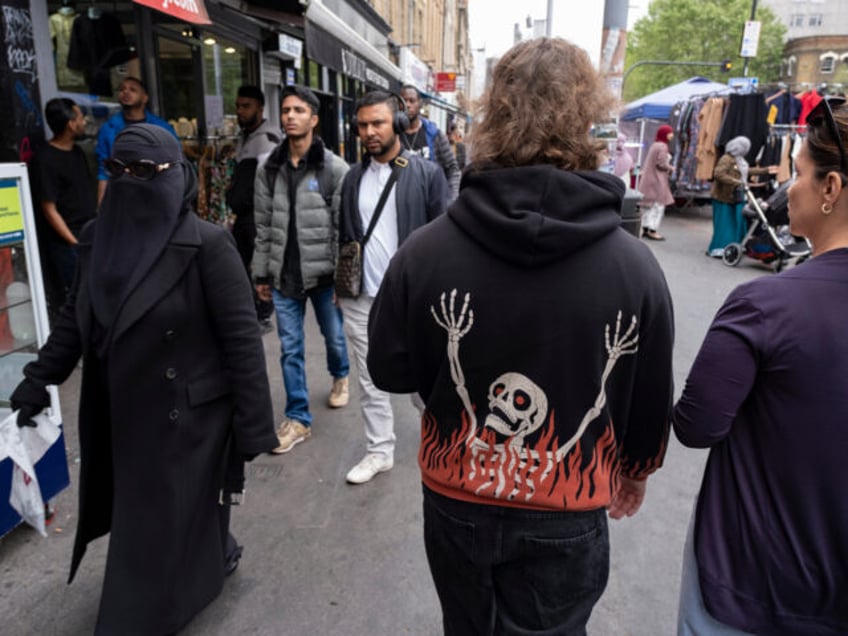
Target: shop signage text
{"x":193,"y":11}
{"x":354,"y":66}
{"x":445,"y":82}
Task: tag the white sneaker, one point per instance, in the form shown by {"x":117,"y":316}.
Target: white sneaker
{"x":368,"y":467}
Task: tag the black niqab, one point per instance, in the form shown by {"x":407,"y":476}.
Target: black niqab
{"x":137,"y":218}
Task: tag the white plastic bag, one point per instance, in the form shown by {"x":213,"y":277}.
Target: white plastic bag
{"x":25,"y":446}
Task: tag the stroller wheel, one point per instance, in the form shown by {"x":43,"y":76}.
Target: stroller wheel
{"x":732,"y":255}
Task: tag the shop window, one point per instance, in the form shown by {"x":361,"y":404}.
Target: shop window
{"x":226,"y":66}
{"x":94,"y":46}
{"x":314,"y":75}
{"x":178,"y":86}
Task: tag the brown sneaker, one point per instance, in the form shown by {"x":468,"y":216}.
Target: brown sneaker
{"x":339,"y":394}
{"x":290,"y":434}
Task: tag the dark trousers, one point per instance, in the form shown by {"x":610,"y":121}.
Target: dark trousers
{"x":514,"y":571}
{"x":245,"y":235}
{"x":60,"y":260}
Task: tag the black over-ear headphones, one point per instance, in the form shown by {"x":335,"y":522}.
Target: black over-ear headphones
{"x":400,"y":120}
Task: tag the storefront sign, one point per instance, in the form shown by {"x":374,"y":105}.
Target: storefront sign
{"x":11,"y":218}
{"x":290,"y":46}
{"x":357,"y":68}
{"x":329,"y":51}
{"x":413,"y":70}
{"x":193,"y":11}
{"x":445,"y":82}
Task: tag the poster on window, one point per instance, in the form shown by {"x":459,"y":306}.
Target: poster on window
{"x":11,"y":218}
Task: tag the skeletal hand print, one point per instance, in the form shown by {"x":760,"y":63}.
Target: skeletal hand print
{"x":621,"y":345}
{"x":457,"y":327}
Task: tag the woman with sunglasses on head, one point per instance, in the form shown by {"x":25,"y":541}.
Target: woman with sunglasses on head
{"x":174,"y":395}
{"x":767,"y":550}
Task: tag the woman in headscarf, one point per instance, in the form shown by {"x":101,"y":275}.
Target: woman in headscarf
{"x":174,"y":394}
{"x":653,"y":184}
{"x":728,"y":195}
{"x":767,"y":549}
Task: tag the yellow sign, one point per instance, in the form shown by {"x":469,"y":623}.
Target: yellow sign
{"x":11,"y":218}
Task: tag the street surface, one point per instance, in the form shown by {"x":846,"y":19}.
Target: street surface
{"x":329,"y":559}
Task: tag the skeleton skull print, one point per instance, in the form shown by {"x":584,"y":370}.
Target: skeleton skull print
{"x":500,"y":461}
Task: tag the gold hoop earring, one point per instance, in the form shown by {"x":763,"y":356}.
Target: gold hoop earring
{"x":826,"y":208}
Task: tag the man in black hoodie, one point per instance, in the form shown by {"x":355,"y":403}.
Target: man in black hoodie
{"x":539,"y":335}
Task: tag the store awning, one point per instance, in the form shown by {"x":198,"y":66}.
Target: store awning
{"x":193,"y":11}
{"x":441,"y":103}
{"x":331,"y":52}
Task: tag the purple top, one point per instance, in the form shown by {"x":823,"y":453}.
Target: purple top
{"x":768,"y":393}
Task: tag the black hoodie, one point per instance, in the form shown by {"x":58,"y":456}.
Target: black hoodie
{"x":539,"y":334}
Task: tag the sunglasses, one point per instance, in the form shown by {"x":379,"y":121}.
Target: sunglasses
{"x":143,"y":169}
{"x":824,"y":112}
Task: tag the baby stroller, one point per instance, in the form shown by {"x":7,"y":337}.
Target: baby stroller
{"x":768,"y":239}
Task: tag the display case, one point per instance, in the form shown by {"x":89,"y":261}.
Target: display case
{"x":23,"y":329}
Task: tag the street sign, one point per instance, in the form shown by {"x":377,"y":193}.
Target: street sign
{"x":750,"y":39}
{"x":445,"y":82}
{"x":744,"y":84}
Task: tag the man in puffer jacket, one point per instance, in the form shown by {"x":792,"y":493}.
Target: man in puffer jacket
{"x":296,"y":203}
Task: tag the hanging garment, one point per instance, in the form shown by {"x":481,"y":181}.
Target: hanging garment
{"x":61,"y":27}
{"x":709,"y":121}
{"x":746,"y":117}
{"x":96,"y":46}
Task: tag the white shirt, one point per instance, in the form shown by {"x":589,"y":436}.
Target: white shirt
{"x":383,"y":243}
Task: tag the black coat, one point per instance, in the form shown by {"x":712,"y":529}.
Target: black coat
{"x":184,"y":376}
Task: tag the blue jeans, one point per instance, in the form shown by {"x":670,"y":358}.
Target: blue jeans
{"x":290,"y":312}
{"x":501,"y":570}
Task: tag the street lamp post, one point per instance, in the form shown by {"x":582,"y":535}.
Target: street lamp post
{"x":753,"y":15}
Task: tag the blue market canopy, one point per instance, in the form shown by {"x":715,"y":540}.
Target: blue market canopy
{"x":658,"y":105}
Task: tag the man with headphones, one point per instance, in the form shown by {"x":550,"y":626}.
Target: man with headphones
{"x":416,"y":193}
{"x":424,"y":138}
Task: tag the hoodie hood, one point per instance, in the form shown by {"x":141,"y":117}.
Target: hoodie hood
{"x":534,"y":215}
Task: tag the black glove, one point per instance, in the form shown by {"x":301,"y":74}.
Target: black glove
{"x":25,"y":414}
{"x":30,"y":399}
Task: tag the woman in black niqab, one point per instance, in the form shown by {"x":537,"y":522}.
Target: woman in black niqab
{"x":137,"y":218}
{"x":174,"y":395}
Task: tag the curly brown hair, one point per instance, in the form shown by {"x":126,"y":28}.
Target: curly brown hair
{"x":544,"y":96}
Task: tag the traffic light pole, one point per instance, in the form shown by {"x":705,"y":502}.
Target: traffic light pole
{"x":725,"y":65}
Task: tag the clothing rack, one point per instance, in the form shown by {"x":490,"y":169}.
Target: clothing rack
{"x":214,"y":158}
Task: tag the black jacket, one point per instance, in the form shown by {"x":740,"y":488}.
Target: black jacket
{"x":538,"y":333}
{"x":185,"y":380}
{"x":421,"y":195}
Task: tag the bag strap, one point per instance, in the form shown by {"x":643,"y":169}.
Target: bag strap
{"x":397,"y":163}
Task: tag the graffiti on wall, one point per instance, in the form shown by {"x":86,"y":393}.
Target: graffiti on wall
{"x":19,"y":78}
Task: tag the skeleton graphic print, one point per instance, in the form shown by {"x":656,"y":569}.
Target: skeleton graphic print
{"x":496,"y":457}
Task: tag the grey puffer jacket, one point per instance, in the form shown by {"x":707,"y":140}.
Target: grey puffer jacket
{"x":317,"y":222}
